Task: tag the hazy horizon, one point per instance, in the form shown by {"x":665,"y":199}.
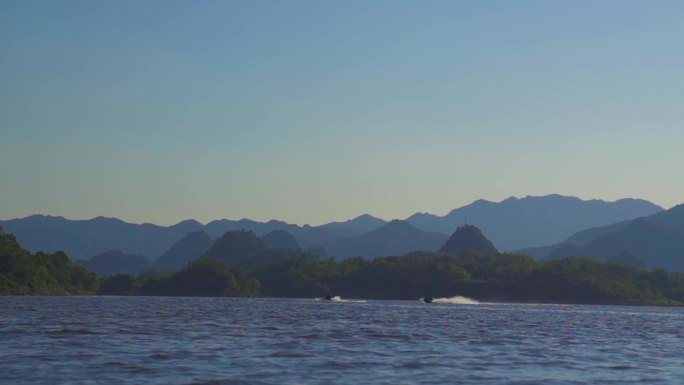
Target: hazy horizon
{"x":309,"y":112}
{"x":353,"y":216}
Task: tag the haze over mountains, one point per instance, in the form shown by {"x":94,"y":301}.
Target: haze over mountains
{"x":184,"y":251}
{"x":511,"y":224}
{"x":115,"y":262}
{"x":85,"y":238}
{"x":519,"y":222}
{"x":394,"y":238}
{"x":654,"y":241}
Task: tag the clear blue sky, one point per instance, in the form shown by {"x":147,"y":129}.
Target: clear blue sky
{"x":310,"y":111}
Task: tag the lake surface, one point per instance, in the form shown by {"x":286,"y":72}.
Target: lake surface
{"x":136,"y":340}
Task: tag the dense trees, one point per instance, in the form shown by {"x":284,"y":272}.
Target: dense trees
{"x":206,"y":277}
{"x":24,"y":273}
{"x":295,"y":273}
{"x":236,"y":247}
{"x":493,"y":277}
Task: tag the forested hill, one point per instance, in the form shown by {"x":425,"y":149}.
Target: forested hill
{"x":24,"y":273}
{"x":294,"y":273}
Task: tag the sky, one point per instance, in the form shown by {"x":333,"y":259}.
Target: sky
{"x":312,"y":111}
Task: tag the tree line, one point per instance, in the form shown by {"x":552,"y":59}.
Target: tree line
{"x":295,"y":273}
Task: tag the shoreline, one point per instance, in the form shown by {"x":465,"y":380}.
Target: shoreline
{"x":479,"y":302}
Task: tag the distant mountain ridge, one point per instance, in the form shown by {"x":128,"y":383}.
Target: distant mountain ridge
{"x":515,"y":223}
{"x":511,"y":224}
{"x":186,"y":250}
{"x":115,"y":262}
{"x":394,"y":238}
{"x":655,"y":241}
{"x":82,"y":239}
{"x":362,"y":223}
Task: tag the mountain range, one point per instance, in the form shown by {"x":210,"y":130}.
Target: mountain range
{"x":511,"y":224}
{"x":186,"y":250}
{"x":85,"y":238}
{"x":115,"y":262}
{"x":396,"y":237}
{"x":656,"y":241}
{"x":516,"y":223}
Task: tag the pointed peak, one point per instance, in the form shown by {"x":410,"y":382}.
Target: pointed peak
{"x":468,"y":238}
{"x":362,"y":217}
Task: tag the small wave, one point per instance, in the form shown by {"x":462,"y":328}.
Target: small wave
{"x":456,"y":300}
{"x":337,"y":298}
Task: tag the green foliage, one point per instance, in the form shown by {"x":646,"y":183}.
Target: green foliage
{"x":206,"y":277}
{"x":407,"y":277}
{"x":294,"y":273}
{"x":211,"y":278}
{"x":120,"y":284}
{"x":236,"y":247}
{"x":502,"y":277}
{"x":24,"y":273}
{"x":587,"y":280}
{"x":273,"y":256}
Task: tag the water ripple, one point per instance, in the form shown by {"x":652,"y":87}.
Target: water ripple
{"x":120,"y":340}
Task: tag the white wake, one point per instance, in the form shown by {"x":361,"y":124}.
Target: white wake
{"x":456,"y":300}
{"x":337,"y":298}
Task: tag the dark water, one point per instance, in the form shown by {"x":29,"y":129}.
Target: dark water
{"x":114,"y":340}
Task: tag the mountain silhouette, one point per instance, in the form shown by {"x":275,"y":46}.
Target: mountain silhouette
{"x":85,"y":238}
{"x":657,"y":245}
{"x":280,"y":239}
{"x":627,"y":259}
{"x":81,"y":239}
{"x":394,"y":238}
{"x":516,"y":223}
{"x":217,"y":228}
{"x":306,"y":236}
{"x":511,"y":224}
{"x":567,"y":250}
{"x":115,"y":262}
{"x":236,"y":246}
{"x":656,"y":241}
{"x":468,"y":238}
{"x":324,"y":236}
{"x":363,"y":223}
{"x":186,"y":250}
